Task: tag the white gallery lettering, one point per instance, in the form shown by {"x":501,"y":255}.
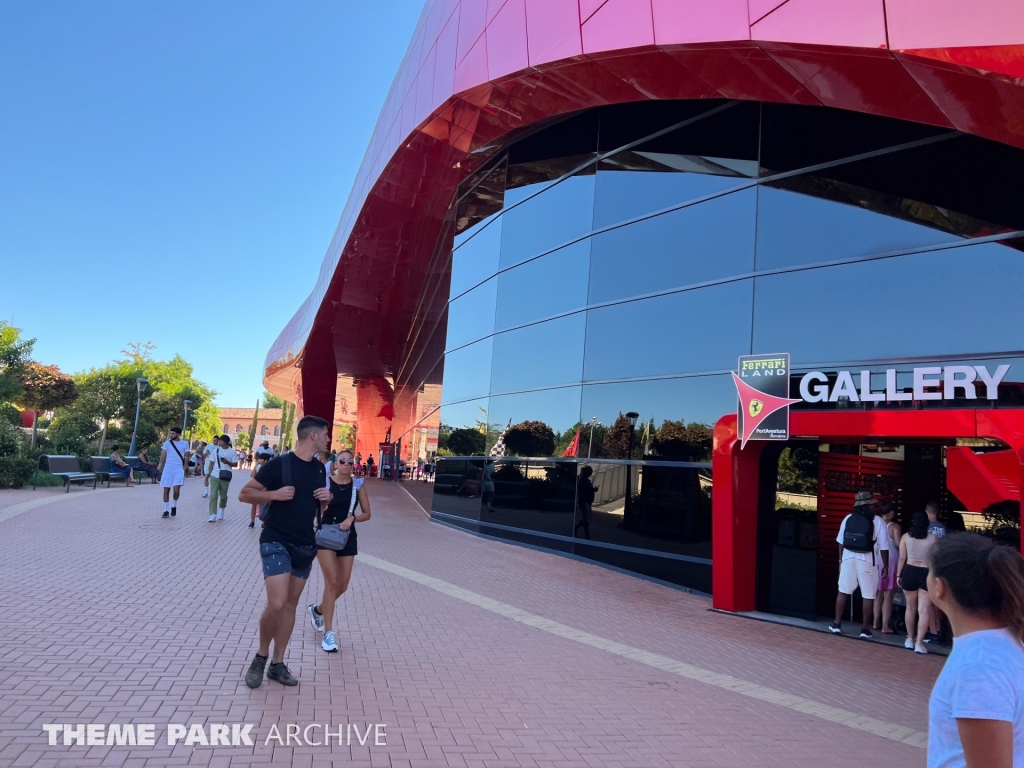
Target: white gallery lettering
{"x":929,"y":383}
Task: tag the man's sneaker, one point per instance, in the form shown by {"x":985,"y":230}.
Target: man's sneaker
{"x":206,"y":494}
{"x":835,"y":629}
{"x":213,"y":519}
{"x":908,"y":644}
{"x":281,"y":673}
{"x":252,"y":524}
{"x":254,"y":677}
{"x":174,"y":511}
{"x":919,"y":648}
{"x":220,"y":514}
{"x":931,"y":637}
{"x":165,"y":515}
{"x":865,"y":633}
{"x":316,"y":619}
{"x":329,"y":644}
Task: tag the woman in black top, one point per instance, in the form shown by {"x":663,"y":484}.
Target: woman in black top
{"x":336,"y":565}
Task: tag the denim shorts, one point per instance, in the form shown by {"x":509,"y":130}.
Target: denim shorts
{"x":281,"y":558}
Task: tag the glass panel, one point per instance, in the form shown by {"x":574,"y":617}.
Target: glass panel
{"x":549,"y":154}
{"x":958,"y":301}
{"x":476,"y":259}
{"x":795,"y":229}
{"x":542,"y":355}
{"x":547,"y":286}
{"x":534,"y":495}
{"x":682,"y":412}
{"x":667,"y":509}
{"x":540,"y":419}
{"x":480,"y":204}
{"x":471,"y":316}
{"x":467,"y":371}
{"x":711,"y":240}
{"x":692,"y":575}
{"x":632,"y":184}
{"x":559,"y":214}
{"x":457,"y":487}
{"x":965,"y":185}
{"x":794,"y":137}
{"x":625,"y":123}
{"x":701,"y":330}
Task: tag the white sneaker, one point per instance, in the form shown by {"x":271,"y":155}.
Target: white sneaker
{"x":919,"y":648}
{"x":315,"y":618}
{"x":328,"y":643}
{"x":220,"y":515}
{"x":213,"y":519}
{"x":908,"y":644}
{"x":206,"y":494}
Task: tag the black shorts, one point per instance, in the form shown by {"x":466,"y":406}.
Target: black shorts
{"x":914,"y":577}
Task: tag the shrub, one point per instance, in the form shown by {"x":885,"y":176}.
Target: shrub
{"x":10,"y":414}
{"x":11,"y":438}
{"x":69,"y":435}
{"x":45,"y":479}
{"x":15,"y":471}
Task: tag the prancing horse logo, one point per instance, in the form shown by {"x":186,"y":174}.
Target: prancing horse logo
{"x":755,"y":407}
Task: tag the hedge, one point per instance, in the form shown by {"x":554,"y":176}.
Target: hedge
{"x":15,"y":471}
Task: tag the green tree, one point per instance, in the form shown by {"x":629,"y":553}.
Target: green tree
{"x":287,"y":425}
{"x":677,"y":439}
{"x":616,"y":439}
{"x":69,"y":434}
{"x":11,"y":414}
{"x":465,"y":442}
{"x":174,"y":378}
{"x":107,"y":393}
{"x":798,"y":470}
{"x":530,"y":438}
{"x":11,"y":438}
{"x":44,"y":388}
{"x":14,"y":354}
{"x":242,"y":441}
{"x":270,"y":400}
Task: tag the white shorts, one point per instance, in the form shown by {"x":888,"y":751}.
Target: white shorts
{"x":858,"y":573}
{"x":172,"y":476}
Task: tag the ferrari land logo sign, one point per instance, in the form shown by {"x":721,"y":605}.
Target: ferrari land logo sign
{"x":762,"y":383}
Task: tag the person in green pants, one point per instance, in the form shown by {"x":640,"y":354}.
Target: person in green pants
{"x":221,"y":458}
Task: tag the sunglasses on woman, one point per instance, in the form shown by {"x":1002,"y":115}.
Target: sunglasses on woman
{"x":345,"y":461}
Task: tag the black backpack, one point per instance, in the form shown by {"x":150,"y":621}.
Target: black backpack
{"x":859,"y":534}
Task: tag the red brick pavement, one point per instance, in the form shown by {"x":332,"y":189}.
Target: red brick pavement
{"x":109,"y":614}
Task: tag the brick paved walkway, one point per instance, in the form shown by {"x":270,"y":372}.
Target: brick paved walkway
{"x":472,"y":652}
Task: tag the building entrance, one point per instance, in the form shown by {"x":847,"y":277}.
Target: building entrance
{"x":768,"y":547}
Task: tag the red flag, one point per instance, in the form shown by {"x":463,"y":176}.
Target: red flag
{"x":574,"y":446}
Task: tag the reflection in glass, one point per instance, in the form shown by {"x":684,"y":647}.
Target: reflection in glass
{"x":711,"y":240}
{"x":534,"y":495}
{"x":668,"y":508}
{"x":471,"y":316}
{"x":467,"y":371}
{"x":547,"y":286}
{"x":553,"y":412}
{"x":476,"y":259}
{"x":559,"y":214}
{"x":705,"y":329}
{"x":543,"y":355}
{"x":458,"y":486}
{"x":957,"y":301}
{"x":795,"y":229}
{"x":482,"y":202}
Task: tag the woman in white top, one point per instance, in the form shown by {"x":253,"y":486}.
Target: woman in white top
{"x":976,"y":711}
{"x":887,"y":583}
{"x":912,"y":578}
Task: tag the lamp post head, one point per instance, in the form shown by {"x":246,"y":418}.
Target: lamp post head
{"x":188,"y":403}
{"x":632,"y":416}
{"x":141,"y":383}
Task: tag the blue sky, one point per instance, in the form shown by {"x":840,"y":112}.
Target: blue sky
{"x":173,"y":171}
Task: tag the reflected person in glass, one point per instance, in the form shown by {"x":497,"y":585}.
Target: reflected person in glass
{"x":586,"y":491}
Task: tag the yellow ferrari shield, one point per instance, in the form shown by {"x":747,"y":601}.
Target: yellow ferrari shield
{"x":755,"y":407}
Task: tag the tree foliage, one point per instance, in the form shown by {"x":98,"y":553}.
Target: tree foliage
{"x":11,"y":439}
{"x":679,"y":440}
{"x":270,"y":400}
{"x":529,"y":438}
{"x":10,"y":414}
{"x":465,"y":442}
{"x":798,"y":470}
{"x":14,"y":354}
{"x":616,"y":439}
{"x":45,"y":388}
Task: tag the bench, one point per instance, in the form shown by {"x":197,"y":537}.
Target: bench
{"x":66,"y":468}
{"x":101,"y":466}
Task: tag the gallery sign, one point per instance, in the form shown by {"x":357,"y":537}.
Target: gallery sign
{"x":762,"y":383}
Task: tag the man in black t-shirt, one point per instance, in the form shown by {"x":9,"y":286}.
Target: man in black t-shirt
{"x":288,"y":540}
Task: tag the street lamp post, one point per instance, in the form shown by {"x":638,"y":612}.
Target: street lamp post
{"x":140,"y":385}
{"x":627,"y":511}
{"x":590,"y":445}
{"x":184,"y":427}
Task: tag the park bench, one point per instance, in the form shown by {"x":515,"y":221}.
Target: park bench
{"x":66,"y":468}
{"x":101,"y":466}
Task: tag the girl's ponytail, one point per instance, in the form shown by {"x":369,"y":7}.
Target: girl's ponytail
{"x":984,"y":576}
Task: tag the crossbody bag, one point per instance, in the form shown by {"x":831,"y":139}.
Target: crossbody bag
{"x":331,"y":536}
{"x":224,"y":475}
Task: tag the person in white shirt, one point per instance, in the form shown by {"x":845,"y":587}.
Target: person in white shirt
{"x":173,"y":460}
{"x":220,"y":460}
{"x":203,"y":463}
{"x":864,"y":559}
{"x":976,"y":710}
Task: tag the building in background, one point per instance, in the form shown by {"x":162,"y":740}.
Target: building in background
{"x":238,"y":420}
{"x":574,"y":217}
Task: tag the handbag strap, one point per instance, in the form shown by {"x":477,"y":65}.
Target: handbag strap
{"x":356,"y":485}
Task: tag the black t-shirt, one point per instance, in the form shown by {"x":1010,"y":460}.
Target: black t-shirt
{"x":292,"y":522}
{"x":338,"y":510}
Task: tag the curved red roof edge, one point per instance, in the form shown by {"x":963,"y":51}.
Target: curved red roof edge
{"x":479,"y":69}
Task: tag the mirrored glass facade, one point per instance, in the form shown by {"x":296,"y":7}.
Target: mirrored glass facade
{"x":608,"y":270}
